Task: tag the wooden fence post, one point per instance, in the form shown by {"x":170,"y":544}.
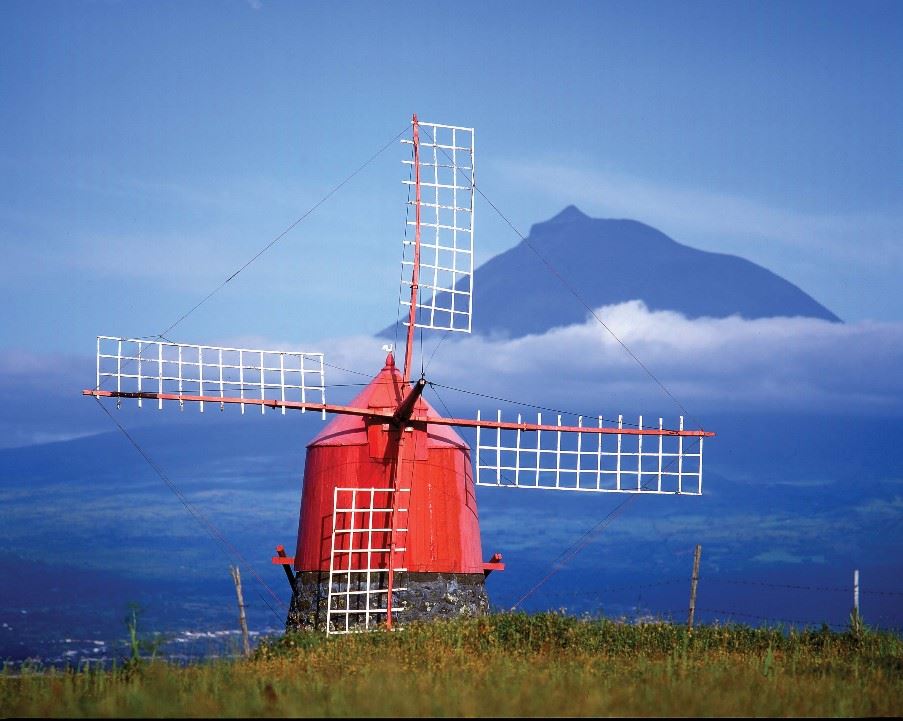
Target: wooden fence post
{"x":242,"y":621}
{"x":694,"y":580}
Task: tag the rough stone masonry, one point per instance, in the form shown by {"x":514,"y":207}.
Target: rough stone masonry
{"x":419,"y":597}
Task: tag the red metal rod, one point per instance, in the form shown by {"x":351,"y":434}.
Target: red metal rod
{"x":415,"y":274}
{"x":292,"y":405}
{"x":390,"y":581}
{"x":285,"y":561}
{"x":406,"y":371}
{"x":394,"y":533}
{"x":388,"y":417}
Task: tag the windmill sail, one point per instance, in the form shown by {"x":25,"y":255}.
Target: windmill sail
{"x":590,"y":458}
{"x":162,"y":371}
{"x":443,"y":181}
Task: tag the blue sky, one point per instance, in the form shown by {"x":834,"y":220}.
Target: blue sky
{"x":148,"y":149}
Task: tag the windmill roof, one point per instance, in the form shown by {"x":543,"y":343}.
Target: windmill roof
{"x":384,"y":393}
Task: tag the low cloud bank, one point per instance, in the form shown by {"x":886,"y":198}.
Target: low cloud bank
{"x":708,"y":364}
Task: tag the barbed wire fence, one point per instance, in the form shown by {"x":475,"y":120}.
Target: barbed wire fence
{"x":581,"y":600}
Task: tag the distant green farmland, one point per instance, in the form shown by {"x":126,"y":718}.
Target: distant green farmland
{"x":502,"y":665}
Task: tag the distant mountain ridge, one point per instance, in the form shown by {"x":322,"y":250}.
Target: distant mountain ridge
{"x":612,"y":261}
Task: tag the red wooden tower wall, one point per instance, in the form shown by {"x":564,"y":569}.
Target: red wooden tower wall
{"x":443,"y":533}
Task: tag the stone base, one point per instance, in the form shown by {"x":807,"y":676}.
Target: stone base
{"x":427,"y":596}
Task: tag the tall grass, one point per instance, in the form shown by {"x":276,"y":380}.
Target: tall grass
{"x":505,"y":664}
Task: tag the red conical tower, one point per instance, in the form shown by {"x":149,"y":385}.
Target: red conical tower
{"x":437,"y":535}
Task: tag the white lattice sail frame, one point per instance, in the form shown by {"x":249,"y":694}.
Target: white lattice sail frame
{"x":138,"y":365}
{"x":641,"y":460}
{"x":447,"y":181}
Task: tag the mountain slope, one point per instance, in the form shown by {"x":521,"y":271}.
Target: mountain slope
{"x":612,"y":261}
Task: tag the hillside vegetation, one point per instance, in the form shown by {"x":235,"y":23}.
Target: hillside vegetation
{"x":505,"y":664}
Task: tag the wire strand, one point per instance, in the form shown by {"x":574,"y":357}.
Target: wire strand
{"x":285,"y":232}
{"x":587,"y":538}
{"x":202,"y":520}
{"x":554,"y":271}
{"x":530,"y":405}
{"x":265,"y":248}
{"x":573,"y":291}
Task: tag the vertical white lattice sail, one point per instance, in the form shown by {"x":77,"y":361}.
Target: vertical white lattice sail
{"x":138,"y":366}
{"x":359,"y":558}
{"x":641,"y":459}
{"x":445,"y":290}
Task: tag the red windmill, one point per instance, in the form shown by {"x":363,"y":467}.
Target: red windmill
{"x":388,"y":525}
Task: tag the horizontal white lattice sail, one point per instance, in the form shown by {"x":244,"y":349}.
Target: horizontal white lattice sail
{"x":445,"y":288}
{"x":568,"y":460}
{"x":139,"y":366}
{"x":360,"y":558}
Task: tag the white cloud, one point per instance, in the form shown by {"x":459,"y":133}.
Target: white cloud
{"x":708,"y":364}
{"x":782,"y":556}
{"x":711,"y":365}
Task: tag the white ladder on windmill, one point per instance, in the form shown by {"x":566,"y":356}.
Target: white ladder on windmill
{"x":361,"y":594}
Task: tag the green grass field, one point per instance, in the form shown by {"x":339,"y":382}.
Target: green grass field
{"x":505,"y":664}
